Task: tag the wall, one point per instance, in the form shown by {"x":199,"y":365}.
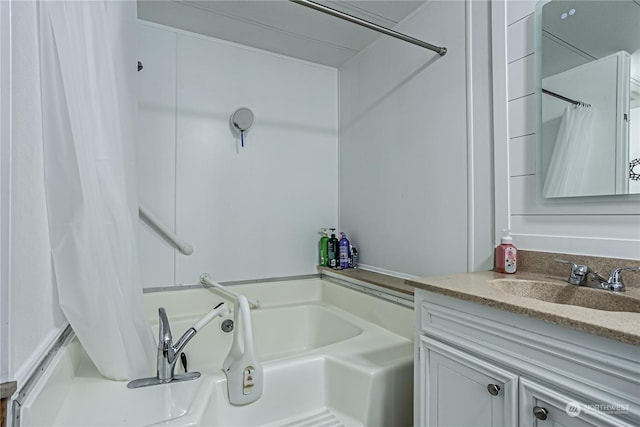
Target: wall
{"x":415,"y":146}
{"x":35,"y":318}
{"x":5,"y":169}
{"x":249,"y":212}
{"x":597,"y":226}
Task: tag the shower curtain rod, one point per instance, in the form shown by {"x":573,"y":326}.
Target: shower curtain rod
{"x":370,"y":25}
{"x":564,"y":98}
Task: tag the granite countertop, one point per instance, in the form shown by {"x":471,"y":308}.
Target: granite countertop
{"x":478,"y":287}
{"x":7,"y":389}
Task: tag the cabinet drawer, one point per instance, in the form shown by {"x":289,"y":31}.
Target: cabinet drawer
{"x":541,"y":406}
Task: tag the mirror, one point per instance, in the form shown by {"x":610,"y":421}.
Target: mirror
{"x":588,"y":69}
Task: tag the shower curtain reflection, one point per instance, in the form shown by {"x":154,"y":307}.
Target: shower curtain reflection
{"x":568,"y":174}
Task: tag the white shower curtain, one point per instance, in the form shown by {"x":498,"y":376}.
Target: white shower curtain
{"x":567,"y":174}
{"x":90,"y":187}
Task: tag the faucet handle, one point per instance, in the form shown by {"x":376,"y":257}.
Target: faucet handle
{"x":578,"y":272}
{"x":562,"y":261}
{"x":615,"y":278}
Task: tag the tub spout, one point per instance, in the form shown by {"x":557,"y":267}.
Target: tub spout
{"x":168,"y":352}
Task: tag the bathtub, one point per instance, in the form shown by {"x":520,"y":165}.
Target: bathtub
{"x":332,"y":356}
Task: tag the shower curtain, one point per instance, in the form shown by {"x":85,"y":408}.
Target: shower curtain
{"x":567,"y":174}
{"x":88,"y":100}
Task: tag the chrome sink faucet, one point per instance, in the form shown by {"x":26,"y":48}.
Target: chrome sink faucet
{"x":582,"y":275}
{"x":168,"y":353}
{"x":615,"y":278}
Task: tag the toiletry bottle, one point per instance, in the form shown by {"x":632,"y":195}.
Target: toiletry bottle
{"x":353,"y":258}
{"x":344,"y":251}
{"x":324,"y":248}
{"x":332,"y":249}
{"x":506,"y":254}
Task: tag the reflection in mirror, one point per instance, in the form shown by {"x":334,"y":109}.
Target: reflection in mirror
{"x":589,"y":92}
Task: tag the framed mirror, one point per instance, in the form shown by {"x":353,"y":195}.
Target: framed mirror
{"x":588,"y":88}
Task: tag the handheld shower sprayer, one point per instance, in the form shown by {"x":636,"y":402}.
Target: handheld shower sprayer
{"x":219,"y":310}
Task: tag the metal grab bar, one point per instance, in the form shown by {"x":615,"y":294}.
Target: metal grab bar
{"x":152,"y":220}
{"x":370,"y":25}
{"x":205,"y":279}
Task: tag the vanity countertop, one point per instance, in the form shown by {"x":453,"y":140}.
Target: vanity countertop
{"x":475,"y":287}
{"x":7,"y":389}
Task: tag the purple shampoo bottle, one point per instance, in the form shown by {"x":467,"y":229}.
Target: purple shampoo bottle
{"x":344,"y":251}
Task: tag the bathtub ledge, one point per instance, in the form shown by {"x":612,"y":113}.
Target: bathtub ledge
{"x":373,"y":283}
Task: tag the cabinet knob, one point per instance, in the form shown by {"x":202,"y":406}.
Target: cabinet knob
{"x":493,"y":389}
{"x":540,"y":413}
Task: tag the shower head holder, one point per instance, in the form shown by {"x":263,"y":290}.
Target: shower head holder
{"x":241,"y":121}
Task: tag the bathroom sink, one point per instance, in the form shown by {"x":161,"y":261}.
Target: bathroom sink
{"x":560,"y":293}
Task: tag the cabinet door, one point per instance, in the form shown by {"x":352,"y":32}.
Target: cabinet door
{"x":542,"y":407}
{"x":457,"y":389}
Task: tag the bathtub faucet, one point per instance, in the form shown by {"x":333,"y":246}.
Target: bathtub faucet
{"x":168,"y":352}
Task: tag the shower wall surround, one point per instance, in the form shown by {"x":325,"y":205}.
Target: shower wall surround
{"x":249,"y":212}
{"x":597,"y":226}
{"x":415,"y":145}
{"x":415,"y":152}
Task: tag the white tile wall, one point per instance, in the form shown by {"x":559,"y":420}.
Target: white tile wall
{"x":520,"y":9}
{"x":522,"y":155}
{"x":520,"y":35}
{"x":522,"y":77}
{"x":522,"y":113}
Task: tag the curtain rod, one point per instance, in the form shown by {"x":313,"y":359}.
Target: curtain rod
{"x":564,"y":98}
{"x":370,"y":25}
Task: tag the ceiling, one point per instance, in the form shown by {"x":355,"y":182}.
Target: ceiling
{"x":281,"y":26}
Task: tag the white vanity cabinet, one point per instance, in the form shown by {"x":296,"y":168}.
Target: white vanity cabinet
{"x":481,"y":366}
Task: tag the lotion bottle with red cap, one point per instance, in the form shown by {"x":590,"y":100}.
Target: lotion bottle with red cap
{"x":506,"y":254}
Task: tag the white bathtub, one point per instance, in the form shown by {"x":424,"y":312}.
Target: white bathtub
{"x":332,"y":356}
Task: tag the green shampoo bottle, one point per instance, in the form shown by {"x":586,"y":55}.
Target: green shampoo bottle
{"x":324,"y":248}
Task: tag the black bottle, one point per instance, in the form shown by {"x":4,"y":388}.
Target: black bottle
{"x":333,"y":249}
